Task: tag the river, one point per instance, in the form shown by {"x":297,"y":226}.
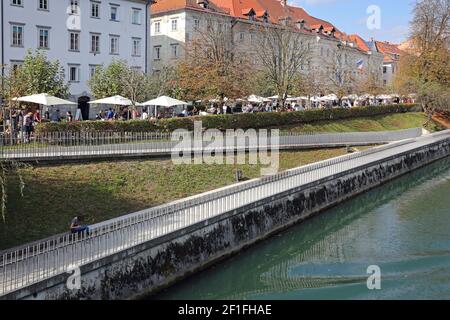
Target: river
{"x":403,"y":227}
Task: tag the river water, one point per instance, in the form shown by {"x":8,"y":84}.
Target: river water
{"x":403,"y":227}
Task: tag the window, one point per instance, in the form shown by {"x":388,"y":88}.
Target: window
{"x":74,"y":73}
{"x":114,"y":13}
{"x":43,"y":37}
{"x":92,"y":70}
{"x":74,"y":7}
{"x":95,"y":43}
{"x":114,"y":44}
{"x":157,"y":52}
{"x":16,"y":64}
{"x":43,"y":5}
{"x":158,"y":27}
{"x":384,"y":69}
{"x":136,"y":50}
{"x":174,"y":48}
{"x":136,"y":16}
{"x":241,"y":36}
{"x":74,"y":44}
{"x":196,"y":24}
{"x":174,"y":24}
{"x":95,"y":10}
{"x":18,"y":3}
{"x":17,"y":35}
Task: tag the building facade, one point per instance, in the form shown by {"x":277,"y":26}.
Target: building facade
{"x":392,"y":54}
{"x":175,"y":22}
{"x":81,"y":34}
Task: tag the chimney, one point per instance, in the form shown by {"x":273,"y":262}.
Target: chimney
{"x":283,"y":3}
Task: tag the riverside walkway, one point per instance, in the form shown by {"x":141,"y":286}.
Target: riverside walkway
{"x":70,"y":146}
{"x":31,"y":263}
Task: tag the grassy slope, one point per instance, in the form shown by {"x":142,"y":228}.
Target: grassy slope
{"x":378,"y":123}
{"x":106,"y":190}
{"x":54,"y":195}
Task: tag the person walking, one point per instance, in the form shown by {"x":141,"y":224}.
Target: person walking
{"x":28,"y":126}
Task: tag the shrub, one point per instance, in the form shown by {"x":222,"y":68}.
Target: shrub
{"x":223,"y":122}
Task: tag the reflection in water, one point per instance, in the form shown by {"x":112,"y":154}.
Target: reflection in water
{"x":403,"y":226}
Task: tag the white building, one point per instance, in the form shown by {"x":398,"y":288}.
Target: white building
{"x":81,"y":34}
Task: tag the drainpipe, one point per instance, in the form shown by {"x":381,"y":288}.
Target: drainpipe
{"x":2,"y":42}
{"x":2,"y":64}
{"x":147,"y":11}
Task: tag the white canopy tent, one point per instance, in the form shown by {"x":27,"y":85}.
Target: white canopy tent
{"x":277,"y":97}
{"x":350,"y":97}
{"x":45,"y":100}
{"x":164,"y":101}
{"x":257,"y":99}
{"x":114,"y":100}
{"x":330,"y":97}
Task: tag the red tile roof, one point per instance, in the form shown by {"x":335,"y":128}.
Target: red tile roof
{"x":275,"y":10}
{"x":240,"y":9}
{"x":360,"y":43}
{"x":388,"y":48}
{"x":391,"y":51}
{"x":170,"y":5}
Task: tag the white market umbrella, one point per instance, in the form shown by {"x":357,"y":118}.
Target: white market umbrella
{"x":45,"y":100}
{"x":277,"y":97}
{"x":114,"y":100}
{"x":255,"y":99}
{"x":330,"y":97}
{"x":164,"y":101}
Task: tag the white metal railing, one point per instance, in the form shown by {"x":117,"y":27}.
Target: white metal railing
{"x":71,"y":145}
{"x":31,"y":263}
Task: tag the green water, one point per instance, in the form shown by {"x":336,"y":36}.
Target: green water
{"x":403,"y":227}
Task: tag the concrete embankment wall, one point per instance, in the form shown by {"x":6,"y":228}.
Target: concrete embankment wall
{"x":158,"y":263}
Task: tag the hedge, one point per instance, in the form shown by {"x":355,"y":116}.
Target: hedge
{"x":223,"y":122}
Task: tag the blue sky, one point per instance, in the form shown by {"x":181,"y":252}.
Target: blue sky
{"x":351,"y":16}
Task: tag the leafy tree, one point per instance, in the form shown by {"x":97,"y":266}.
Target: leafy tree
{"x":425,"y":68}
{"x":211,"y":69}
{"x":108,"y":81}
{"x":36,"y":75}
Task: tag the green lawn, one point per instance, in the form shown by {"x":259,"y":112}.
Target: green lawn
{"x":55,"y":194}
{"x":389,"y":122}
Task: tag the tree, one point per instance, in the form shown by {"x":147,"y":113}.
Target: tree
{"x":425,"y":68}
{"x":282,"y":51}
{"x":118,"y":78}
{"x":371,"y":81}
{"x":164,"y":82}
{"x":430,"y":37}
{"x":211,"y":69}
{"x":339,"y":73}
{"x":108,"y":81}
{"x":36,"y":75}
